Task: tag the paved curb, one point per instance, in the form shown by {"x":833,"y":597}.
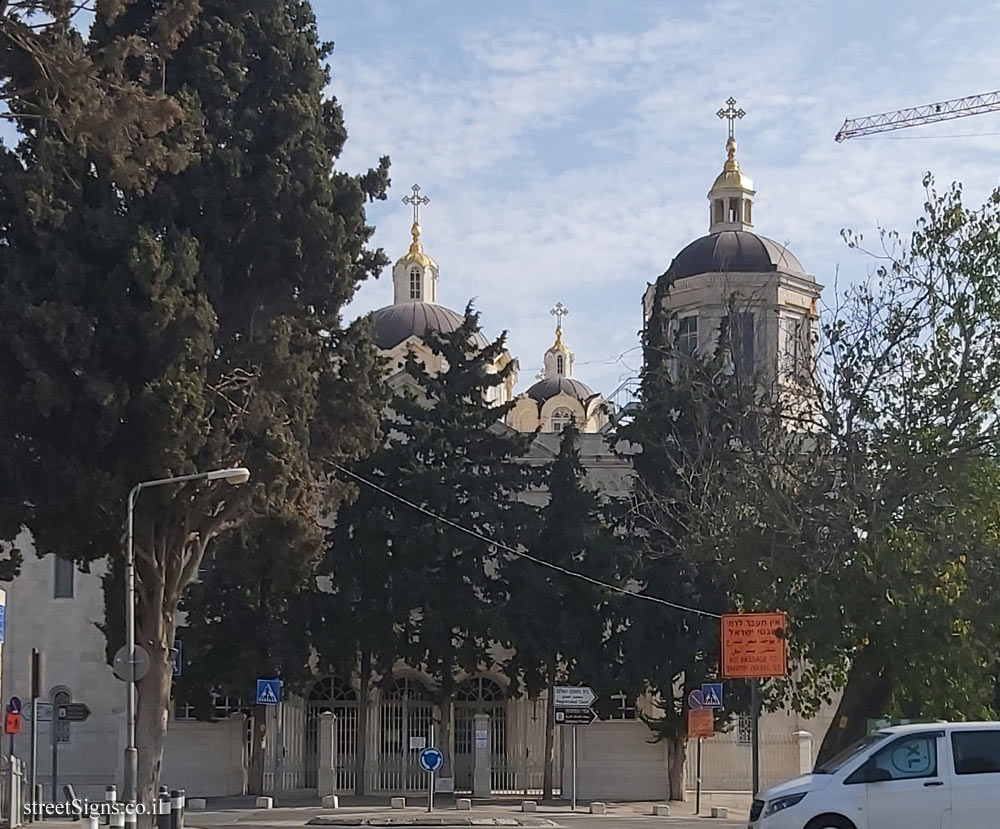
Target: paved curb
{"x":332,"y":820}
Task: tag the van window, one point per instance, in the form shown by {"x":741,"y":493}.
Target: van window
{"x":907,"y":758}
{"x":838,"y":761}
{"x":976,"y":752}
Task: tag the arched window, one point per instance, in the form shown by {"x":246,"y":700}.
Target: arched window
{"x":414,"y":283}
{"x":560,"y":364}
{"x":561,"y":417}
{"x":720,"y":210}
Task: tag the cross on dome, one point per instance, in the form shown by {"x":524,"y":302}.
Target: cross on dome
{"x":416,"y":200}
{"x":559,"y":312}
{"x":730,"y":113}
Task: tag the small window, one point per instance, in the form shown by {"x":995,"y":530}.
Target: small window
{"x":734,"y":210}
{"x":976,"y":752}
{"x":794,"y":347}
{"x":560,"y":418}
{"x":720,"y":210}
{"x":744,"y":730}
{"x":624,"y":709}
{"x":414,"y":283}
{"x":62,"y":727}
{"x":560,"y":365}
{"x":687,"y":335}
{"x":742,"y":334}
{"x":908,"y":758}
{"x":63,"y":575}
{"x":747,"y":215}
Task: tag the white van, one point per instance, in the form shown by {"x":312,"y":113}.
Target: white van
{"x":930,"y":776}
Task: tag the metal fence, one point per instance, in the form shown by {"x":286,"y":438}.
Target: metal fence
{"x":12,"y":790}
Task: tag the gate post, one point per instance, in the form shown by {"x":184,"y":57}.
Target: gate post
{"x":326,"y":751}
{"x":481,"y":756}
{"x":805,"y":751}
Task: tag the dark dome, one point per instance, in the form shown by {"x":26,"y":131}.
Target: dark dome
{"x":733,"y":251}
{"x":545,"y":389}
{"x":395,"y":323}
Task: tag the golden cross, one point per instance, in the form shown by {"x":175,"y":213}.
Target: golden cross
{"x":416,"y":200}
{"x":731,"y":113}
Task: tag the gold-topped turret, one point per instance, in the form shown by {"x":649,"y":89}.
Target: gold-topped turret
{"x":731,"y":196}
{"x":416,"y":252}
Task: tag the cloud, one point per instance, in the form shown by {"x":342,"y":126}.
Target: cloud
{"x":568,"y":158}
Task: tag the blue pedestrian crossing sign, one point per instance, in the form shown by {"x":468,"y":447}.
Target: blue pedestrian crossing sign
{"x":268,"y":691}
{"x":712,"y":694}
{"x":431,"y":759}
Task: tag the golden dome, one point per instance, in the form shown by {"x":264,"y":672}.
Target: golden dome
{"x":732,"y":176}
{"x":416,"y":252}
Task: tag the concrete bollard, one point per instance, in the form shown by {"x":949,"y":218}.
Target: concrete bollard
{"x":118,"y":818}
{"x":720,"y":811}
{"x":264,"y":803}
{"x":197,"y":803}
{"x":398,"y":803}
{"x":529,"y":806}
{"x":130,"y":816}
{"x":598,"y":808}
{"x":177,"y":809}
{"x":463,"y":804}
{"x":163,"y":817}
{"x":331,"y":801}
{"x":110,"y":796}
{"x":92,"y":821}
{"x":661,"y":810}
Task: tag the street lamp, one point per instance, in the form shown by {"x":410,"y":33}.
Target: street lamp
{"x":234,"y":476}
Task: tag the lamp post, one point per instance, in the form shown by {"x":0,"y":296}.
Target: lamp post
{"x":234,"y":476}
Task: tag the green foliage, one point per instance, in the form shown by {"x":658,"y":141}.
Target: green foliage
{"x":402,"y":584}
{"x":575,"y":531}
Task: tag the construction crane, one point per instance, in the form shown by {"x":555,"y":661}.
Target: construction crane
{"x":927,"y":114}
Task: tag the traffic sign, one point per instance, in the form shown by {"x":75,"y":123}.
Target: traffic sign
{"x":14,"y":706}
{"x":430,"y":759}
{"x":3,"y":620}
{"x":575,"y":716}
{"x":44,"y":712}
{"x":754,"y":645}
{"x":73,"y":712}
{"x":711,"y":693}
{"x":176,"y":654}
{"x":268,"y":691}
{"x":573,"y":696}
{"x":12,"y":723}
{"x":700,"y":723}
{"x":696,"y":700}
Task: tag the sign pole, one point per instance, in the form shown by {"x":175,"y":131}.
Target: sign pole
{"x":574,"y":768}
{"x":55,"y":761}
{"x":697,"y":782}
{"x":755,"y":732}
{"x":430,"y":779}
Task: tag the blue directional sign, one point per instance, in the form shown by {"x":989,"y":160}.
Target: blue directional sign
{"x":268,"y":691}
{"x":431,"y":759}
{"x":3,"y":614}
{"x":711,"y":693}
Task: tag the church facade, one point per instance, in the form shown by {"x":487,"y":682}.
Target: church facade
{"x":58,"y":612}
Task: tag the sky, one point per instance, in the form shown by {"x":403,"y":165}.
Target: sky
{"x":567,"y":147}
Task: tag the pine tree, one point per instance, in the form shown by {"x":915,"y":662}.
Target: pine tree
{"x":681,"y":443}
{"x":556,"y":625}
{"x":405,"y":585}
{"x":190,"y":326}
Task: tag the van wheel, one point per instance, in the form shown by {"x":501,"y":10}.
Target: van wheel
{"x":830,"y":822}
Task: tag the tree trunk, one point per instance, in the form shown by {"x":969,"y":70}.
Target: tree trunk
{"x":676,"y":757}
{"x":550,"y":728}
{"x":866,"y":696}
{"x":361,"y":747}
{"x":443,"y":736}
{"x":152,"y":706}
{"x":258,"y":748}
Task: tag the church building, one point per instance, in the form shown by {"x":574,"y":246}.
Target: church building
{"x":730,"y":271}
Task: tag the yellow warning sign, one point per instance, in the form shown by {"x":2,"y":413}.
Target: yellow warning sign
{"x":754,"y":645}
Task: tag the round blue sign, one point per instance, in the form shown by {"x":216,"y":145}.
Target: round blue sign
{"x":431,"y":759}
{"x":15,"y":705}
